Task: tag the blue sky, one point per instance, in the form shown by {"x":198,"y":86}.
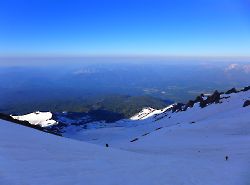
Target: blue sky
{"x":125,"y":27}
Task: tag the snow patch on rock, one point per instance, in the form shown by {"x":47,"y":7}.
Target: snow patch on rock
{"x":149,"y":112}
{"x":44,"y":119}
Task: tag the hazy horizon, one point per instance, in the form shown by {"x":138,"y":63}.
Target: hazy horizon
{"x":170,"y":50}
{"x":58,"y":84}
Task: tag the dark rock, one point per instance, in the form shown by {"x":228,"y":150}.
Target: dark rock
{"x":158,"y":128}
{"x":246,"y":103}
{"x":134,"y":140}
{"x":177,"y":107}
{"x":198,"y":99}
{"x":203,"y":103}
{"x":214,"y":98}
{"x":145,"y":134}
{"x":246,"y":88}
{"x":189,"y":104}
{"x":233,"y":90}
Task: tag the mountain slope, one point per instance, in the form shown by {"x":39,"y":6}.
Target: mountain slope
{"x":126,"y":130}
{"x":46,"y":160}
{"x":177,"y":148}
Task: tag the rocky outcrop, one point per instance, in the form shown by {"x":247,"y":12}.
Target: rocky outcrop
{"x":199,"y":98}
{"x":233,"y":90}
{"x":177,"y":107}
{"x":246,"y":103}
{"x":203,"y":103}
{"x":189,"y":104}
{"x":213,"y":98}
{"x":246,"y":89}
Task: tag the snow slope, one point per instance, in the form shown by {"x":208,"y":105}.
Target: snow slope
{"x":184,"y":148}
{"x":126,"y":130}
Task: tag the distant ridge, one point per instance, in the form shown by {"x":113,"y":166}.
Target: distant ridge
{"x":62,"y":121}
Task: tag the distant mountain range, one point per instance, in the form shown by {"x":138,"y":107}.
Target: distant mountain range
{"x":125,"y":88}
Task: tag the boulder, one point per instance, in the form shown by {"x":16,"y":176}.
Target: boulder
{"x":246,"y":103}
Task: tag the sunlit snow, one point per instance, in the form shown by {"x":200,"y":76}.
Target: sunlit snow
{"x":200,"y":146}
